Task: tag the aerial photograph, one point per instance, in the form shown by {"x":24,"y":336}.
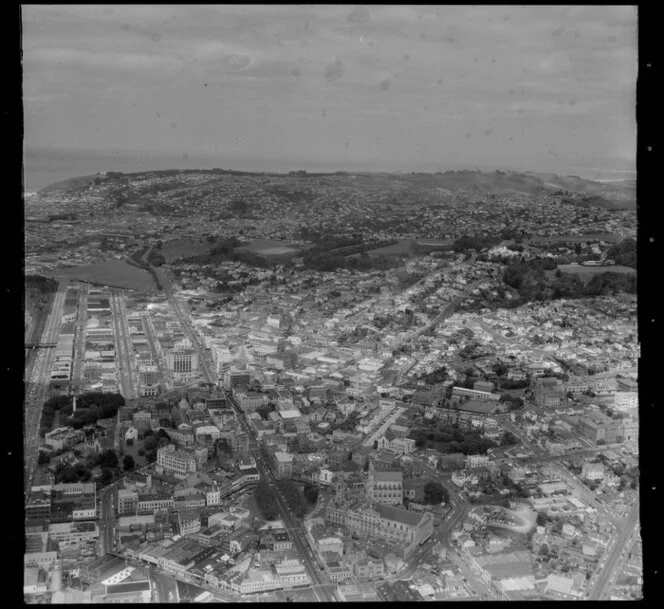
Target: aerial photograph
{"x":329,"y":303}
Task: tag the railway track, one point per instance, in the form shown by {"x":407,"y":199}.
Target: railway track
{"x":37,"y":383}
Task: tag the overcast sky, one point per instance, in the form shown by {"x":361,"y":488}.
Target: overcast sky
{"x":394,"y":86}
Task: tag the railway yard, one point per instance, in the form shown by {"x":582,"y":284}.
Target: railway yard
{"x":101,"y":339}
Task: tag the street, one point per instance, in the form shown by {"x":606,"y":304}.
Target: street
{"x":123,"y":347}
{"x":107,"y":520}
{"x":79,"y":338}
{"x":208,"y":368}
{"x":323,"y":590}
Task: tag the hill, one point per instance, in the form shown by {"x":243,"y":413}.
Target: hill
{"x":499,"y":182}
{"x":600,"y":194}
{"x":606,"y":195}
{"x":313,"y":207}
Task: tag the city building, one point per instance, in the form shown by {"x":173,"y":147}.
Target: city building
{"x":63,"y":438}
{"x":176,"y":462}
{"x":127,"y":501}
{"x":283,"y":463}
{"x":384,"y":487}
{"x":474,"y":394}
{"x":403,"y":530}
{"x":182,"y":361}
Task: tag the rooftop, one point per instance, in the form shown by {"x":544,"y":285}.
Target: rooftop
{"x":399,"y":515}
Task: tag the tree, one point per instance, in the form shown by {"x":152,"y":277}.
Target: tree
{"x":294,"y":498}
{"x":265,"y":409}
{"x":130,"y":442}
{"x":151,"y":456}
{"x":108,"y":459}
{"x":141,"y":452}
{"x":43,"y":459}
{"x":150,"y":443}
{"x":435,"y":493}
{"x":541,"y":519}
{"x":266,"y":500}
{"x":310,"y":492}
{"x":500,"y":369}
{"x":106,"y":477}
{"x":66,"y":473}
{"x":162,"y":433}
{"x":509,"y":439}
{"x":128,"y":463}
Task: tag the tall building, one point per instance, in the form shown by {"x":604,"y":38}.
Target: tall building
{"x":176,"y":462}
{"x":237,"y":378}
{"x":127,"y":501}
{"x":549,"y":392}
{"x":599,"y":427}
{"x":149,"y":379}
{"x":183,"y":361}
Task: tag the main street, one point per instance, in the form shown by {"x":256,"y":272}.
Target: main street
{"x":107,"y":519}
{"x":131,"y":359}
{"x":447,"y":310}
{"x":123,"y":347}
{"x":568,"y":455}
{"x":389,"y":420}
{"x":185,"y":322}
{"x":626,"y":530}
{"x":157,"y":355}
{"x":323,"y":590}
{"x":483,"y":590}
{"x":79,"y":338}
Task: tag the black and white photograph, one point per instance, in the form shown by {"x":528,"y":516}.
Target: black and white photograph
{"x":330,"y":303}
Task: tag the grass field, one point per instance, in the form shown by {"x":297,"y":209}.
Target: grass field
{"x":139,"y":460}
{"x":115,"y":273}
{"x":258,"y":245}
{"x":183,"y":248}
{"x":587,"y":272}
{"x":403,"y":248}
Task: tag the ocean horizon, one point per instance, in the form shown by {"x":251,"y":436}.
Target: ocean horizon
{"x":43,"y":167}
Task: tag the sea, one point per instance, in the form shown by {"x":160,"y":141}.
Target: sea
{"x":46,"y":166}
